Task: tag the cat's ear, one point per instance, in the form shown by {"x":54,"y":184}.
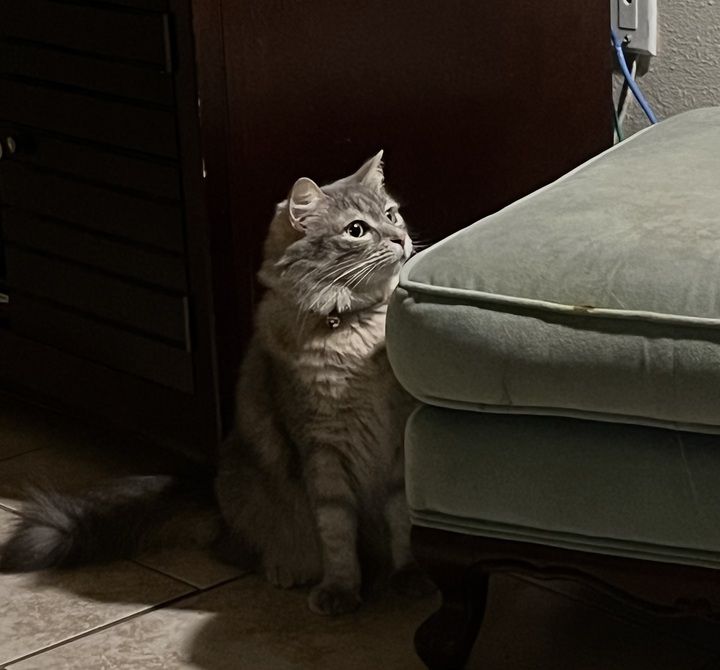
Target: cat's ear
{"x":371,"y":173}
{"x":304,"y":197}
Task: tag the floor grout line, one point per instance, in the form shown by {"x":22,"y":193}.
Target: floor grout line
{"x":97,"y":629}
{"x":111,"y":624}
{"x":160,"y":571}
{"x":3,"y":459}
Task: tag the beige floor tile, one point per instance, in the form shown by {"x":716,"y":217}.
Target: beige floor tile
{"x":528,"y":627}
{"x":42,"y":609}
{"x":249,"y":625}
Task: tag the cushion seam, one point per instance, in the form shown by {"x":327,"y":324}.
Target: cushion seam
{"x":560,"y":535}
{"x":566,"y":412}
{"x":487,"y":299}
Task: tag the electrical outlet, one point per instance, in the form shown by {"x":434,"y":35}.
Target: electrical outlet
{"x":635,"y":21}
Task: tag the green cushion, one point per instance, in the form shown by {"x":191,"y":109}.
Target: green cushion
{"x":595,"y":486}
{"x":597,"y":296}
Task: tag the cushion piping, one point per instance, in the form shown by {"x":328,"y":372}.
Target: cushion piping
{"x":421,"y":288}
{"x":587,"y":415}
{"x":565,"y":540}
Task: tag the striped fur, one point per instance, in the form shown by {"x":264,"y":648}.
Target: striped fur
{"x":314,"y":477}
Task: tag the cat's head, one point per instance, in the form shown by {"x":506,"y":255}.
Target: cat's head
{"x":338,"y":247}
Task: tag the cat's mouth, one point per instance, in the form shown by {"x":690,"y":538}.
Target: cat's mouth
{"x":402,"y":252}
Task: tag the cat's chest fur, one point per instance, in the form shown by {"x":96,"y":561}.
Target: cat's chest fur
{"x":334,"y":383}
{"x":338,"y":365}
{"x":327,"y":365}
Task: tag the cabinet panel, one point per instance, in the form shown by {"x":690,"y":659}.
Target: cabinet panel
{"x":149,"y":266}
{"x":149,"y":311}
{"x":94,"y":207}
{"x":84,"y":116}
{"x":96,"y":341}
{"x":121,"y":79}
{"x":154,"y":176}
{"x":109,"y":31}
{"x":103,"y":209}
{"x":80,"y":386}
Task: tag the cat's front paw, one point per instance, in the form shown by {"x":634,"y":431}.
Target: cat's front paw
{"x":333,"y":599}
{"x":290,"y":570}
{"x":412,"y":581}
{"x":287,"y":577}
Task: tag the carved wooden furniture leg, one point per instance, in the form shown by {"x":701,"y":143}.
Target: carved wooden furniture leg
{"x":461,"y":564}
{"x":445,"y":639}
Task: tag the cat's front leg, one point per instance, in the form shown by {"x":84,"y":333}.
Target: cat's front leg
{"x":335,"y":510}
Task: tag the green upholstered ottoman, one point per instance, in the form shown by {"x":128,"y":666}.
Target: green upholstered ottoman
{"x":567,"y":354}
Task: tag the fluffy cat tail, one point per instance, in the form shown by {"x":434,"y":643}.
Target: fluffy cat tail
{"x":123,"y":518}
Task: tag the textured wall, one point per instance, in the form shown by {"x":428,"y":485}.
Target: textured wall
{"x":686,"y":72}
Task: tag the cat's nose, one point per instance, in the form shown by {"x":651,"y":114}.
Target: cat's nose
{"x":399,"y":240}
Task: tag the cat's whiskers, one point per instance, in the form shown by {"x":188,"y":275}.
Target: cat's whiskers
{"x":318,"y":270}
{"x":338,"y":269}
{"x":382,"y":260}
{"x":357,"y":266}
{"x":335,"y":270}
{"x":363,"y":274}
{"x":364,"y":266}
{"x":333,"y":276}
{"x":364,"y":271}
{"x":350,"y":272}
{"x":360,"y":264}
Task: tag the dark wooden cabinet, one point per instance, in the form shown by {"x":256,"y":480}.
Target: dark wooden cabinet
{"x":145,"y":143}
{"x":105,"y":234}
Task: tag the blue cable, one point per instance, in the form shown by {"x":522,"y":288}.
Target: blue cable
{"x":631,"y":82}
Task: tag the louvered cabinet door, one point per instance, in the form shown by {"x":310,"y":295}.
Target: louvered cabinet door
{"x":94,"y":221}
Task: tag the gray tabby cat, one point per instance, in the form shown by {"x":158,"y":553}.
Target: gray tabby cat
{"x":318,"y":460}
{"x":312,"y":479}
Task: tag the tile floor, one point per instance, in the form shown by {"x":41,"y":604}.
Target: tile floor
{"x":183,"y":610}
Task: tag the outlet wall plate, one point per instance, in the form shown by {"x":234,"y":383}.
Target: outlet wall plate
{"x":635,"y":21}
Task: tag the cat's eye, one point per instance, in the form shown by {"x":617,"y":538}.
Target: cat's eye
{"x":392,"y":215}
{"x":356,"y":228}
